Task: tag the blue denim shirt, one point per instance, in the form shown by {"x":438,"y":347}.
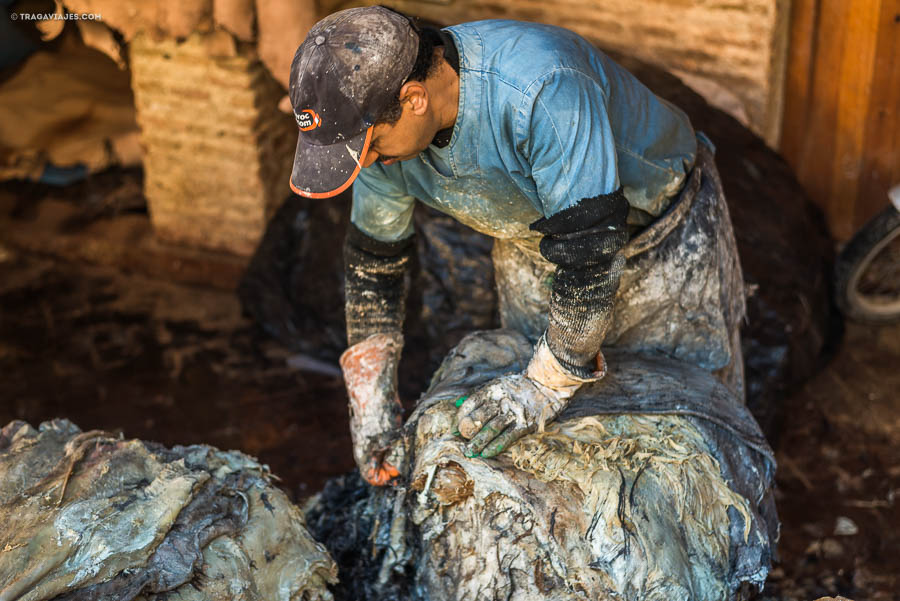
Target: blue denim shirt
{"x":544,"y":120}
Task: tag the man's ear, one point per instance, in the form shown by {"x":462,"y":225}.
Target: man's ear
{"x":416,"y":94}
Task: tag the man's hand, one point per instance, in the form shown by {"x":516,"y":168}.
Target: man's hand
{"x":507,"y":408}
{"x":504,"y":410}
{"x":370,"y":374}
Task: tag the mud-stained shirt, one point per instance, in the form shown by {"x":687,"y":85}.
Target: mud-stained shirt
{"x":544,"y":120}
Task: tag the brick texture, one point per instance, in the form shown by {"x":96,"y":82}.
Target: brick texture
{"x":218,"y":150}
{"x":734,"y":49}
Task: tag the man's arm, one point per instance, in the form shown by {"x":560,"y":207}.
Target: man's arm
{"x":377,"y":251}
{"x":375,"y":284}
{"x":572,"y":152}
{"x":566,"y":138}
{"x":583,"y":241}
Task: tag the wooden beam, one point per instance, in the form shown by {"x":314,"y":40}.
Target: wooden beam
{"x":815,"y":162}
{"x":798,"y":85}
{"x":882,"y":129}
{"x":856,"y":72}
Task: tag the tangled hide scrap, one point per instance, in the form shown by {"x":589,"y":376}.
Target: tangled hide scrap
{"x":88,"y":517}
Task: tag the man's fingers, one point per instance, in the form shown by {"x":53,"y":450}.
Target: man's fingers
{"x":464,"y":405}
{"x":468,"y":403}
{"x":502,"y":442}
{"x":473,"y":421}
{"x":488,"y":433}
{"x":380,"y":473}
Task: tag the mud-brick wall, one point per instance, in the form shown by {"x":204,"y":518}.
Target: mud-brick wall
{"x":731,"y":51}
{"x":218,"y":151}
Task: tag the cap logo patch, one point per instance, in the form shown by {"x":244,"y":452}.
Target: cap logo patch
{"x":307,"y":119}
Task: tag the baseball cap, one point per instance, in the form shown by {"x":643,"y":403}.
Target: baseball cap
{"x":343,"y":76}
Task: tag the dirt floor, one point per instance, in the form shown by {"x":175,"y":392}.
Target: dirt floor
{"x":179,"y":364}
{"x":839,"y":475}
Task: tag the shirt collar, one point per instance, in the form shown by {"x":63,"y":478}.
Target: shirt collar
{"x":451,"y":55}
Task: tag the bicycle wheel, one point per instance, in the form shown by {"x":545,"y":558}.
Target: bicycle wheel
{"x":867,"y":274}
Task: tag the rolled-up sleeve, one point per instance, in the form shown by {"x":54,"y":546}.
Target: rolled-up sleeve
{"x":382,"y":208}
{"x":564,"y":132}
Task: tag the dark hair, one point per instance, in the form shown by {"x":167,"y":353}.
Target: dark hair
{"x":426,"y":63}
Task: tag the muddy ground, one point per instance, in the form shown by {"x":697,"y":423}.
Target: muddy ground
{"x":86,"y":334}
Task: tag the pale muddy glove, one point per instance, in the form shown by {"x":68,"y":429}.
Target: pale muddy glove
{"x":507,"y":408}
{"x":370,"y":374}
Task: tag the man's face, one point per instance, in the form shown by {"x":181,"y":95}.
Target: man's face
{"x":400,"y":141}
{"x":410,"y":135}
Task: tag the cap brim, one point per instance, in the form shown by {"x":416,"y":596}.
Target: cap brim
{"x":325,"y":171}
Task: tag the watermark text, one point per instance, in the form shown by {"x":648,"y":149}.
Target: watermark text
{"x":55,"y":16}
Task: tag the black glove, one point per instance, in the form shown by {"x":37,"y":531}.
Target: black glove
{"x":583,"y":241}
{"x":374,"y":284}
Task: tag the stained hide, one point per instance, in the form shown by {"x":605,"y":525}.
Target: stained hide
{"x":655,"y":483}
{"x":88,"y":516}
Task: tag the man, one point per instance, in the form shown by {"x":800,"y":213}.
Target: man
{"x":529,"y":134}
